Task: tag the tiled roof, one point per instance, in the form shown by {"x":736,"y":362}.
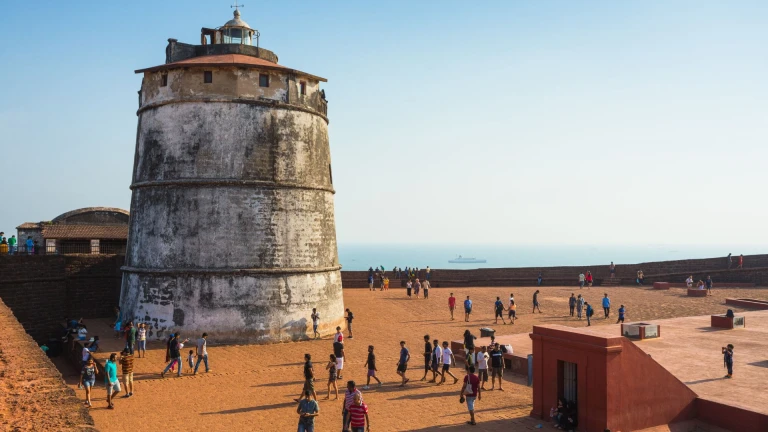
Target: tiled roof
{"x":228,"y":60}
{"x":29,"y":225}
{"x":64,"y":231}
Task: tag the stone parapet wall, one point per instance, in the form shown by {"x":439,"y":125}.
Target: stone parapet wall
{"x":34,"y":395}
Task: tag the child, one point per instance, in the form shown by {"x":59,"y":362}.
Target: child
{"x":728,"y":359}
{"x":386,"y":283}
{"x":371,"y":365}
{"x":191,"y":359}
{"x":622,"y":311}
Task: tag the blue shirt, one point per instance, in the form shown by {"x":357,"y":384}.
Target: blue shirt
{"x":403,"y":355}
{"x":499,"y":305}
{"x":606,"y":302}
{"x":621,"y":312}
{"x":111,"y":372}
{"x":467,"y":304}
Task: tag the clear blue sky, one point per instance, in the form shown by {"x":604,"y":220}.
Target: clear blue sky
{"x":451,"y":122}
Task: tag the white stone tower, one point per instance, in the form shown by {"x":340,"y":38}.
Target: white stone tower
{"x":232,"y":223}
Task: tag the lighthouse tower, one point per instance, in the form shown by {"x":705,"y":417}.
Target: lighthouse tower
{"x":232,"y":223}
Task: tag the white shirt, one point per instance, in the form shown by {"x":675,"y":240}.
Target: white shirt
{"x":581,"y":277}
{"x":447,"y":353}
{"x":316,"y":318}
{"x":438,"y":352}
{"x":86,"y":354}
{"x":202,"y":347}
{"x":482,"y":360}
{"x":338,"y":337}
{"x":81,"y":334}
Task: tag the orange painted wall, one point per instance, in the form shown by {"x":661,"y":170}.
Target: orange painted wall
{"x":619,"y":386}
{"x":731,"y":417}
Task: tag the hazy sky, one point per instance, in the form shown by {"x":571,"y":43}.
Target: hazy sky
{"x":451,"y":122}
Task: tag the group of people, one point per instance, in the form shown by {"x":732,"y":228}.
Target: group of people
{"x":10,"y":245}
{"x":135,"y":337}
{"x":582,"y":308}
{"x":729,"y":259}
{"x":702,"y":284}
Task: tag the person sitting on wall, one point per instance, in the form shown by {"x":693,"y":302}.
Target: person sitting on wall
{"x":700,"y":285}
{"x":689,"y":281}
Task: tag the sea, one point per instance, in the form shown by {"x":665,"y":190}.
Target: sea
{"x":363,"y":256}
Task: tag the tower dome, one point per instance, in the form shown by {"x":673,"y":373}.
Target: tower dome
{"x":237,"y":31}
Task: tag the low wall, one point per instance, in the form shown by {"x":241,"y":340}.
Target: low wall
{"x":755,"y":272}
{"x":34,"y":395}
{"x":44,"y":290}
{"x":731,"y":417}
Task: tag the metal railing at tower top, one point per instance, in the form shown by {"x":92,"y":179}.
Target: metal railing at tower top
{"x":64,"y":249}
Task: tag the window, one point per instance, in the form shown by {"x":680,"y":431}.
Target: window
{"x":330,"y":173}
{"x":263,"y":80}
{"x":302,"y":88}
{"x":207,"y":77}
{"x":164,"y":80}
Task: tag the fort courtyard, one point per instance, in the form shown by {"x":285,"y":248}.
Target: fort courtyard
{"x":252,"y":387}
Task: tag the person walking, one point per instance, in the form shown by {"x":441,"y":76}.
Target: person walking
{"x":111,"y":380}
{"x":408,"y":287}
{"x":728,"y":359}
{"x":512,"y":309}
{"x":481,"y":360}
{"x":606,"y":305}
{"x":612,"y":269}
{"x":729,"y":261}
{"x":428,"y":272}
{"x":622,"y":311}
{"x":590,"y":312}
{"x":358,"y":415}
{"x":126,"y":363}
{"x":331,"y":368}
{"x":470,"y":391}
{"x":437,"y":355}
{"x":579,"y":305}
{"x":426,"y":286}
{"x":497,"y":366}
{"x":708,"y":284}
{"x":402,"y":364}
{"x":350,"y":394}
{"x":202,"y":353}
{"x":417,"y":287}
{"x":338,"y":351}
{"x":536,"y":302}
{"x":539,"y":280}
{"x":741,"y":262}
{"x":581,"y":280}
{"x":142,"y":340}
{"x":370,"y":363}
{"x":175,"y":354}
{"x":350,"y":316}
{"x":469,"y":347}
{"x":427,"y":357}
{"x":499,"y":311}
{"x":315,"y":322}
{"x":309,"y":378}
{"x":467,"y":309}
{"x":572,"y":303}
{"x":88,"y":379}
{"x":118,"y":324}
{"x":448,"y":360}
{"x":589,"y":279}
{"x":452,"y":305}
{"x":370,"y":282}
{"x":307,"y":410}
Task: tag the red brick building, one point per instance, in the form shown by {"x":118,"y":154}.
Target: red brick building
{"x":90,"y":230}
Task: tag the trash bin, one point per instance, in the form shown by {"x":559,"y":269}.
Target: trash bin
{"x":487,"y":332}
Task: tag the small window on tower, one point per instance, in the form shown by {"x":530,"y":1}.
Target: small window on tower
{"x":207,"y":77}
{"x":302,"y":88}
{"x":330,"y":173}
{"x":164,"y":80}
{"x":263,"y":80}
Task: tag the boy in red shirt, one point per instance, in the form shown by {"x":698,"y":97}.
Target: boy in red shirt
{"x":473,"y":382}
{"x":358,"y":414}
{"x":451,"y":304}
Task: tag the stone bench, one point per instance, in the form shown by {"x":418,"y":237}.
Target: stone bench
{"x":661,"y":285}
{"x":695,"y":292}
{"x":722,"y":321}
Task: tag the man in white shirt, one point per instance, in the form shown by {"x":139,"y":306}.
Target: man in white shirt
{"x":437,"y":355}
{"x":202,"y":353}
{"x":481,"y":360}
{"x":315,"y":322}
{"x":448,"y":360}
{"x":581,"y":280}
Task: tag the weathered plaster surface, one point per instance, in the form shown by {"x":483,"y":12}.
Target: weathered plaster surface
{"x":232,"y":224}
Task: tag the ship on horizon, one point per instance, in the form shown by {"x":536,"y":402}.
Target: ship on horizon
{"x":462,"y":260}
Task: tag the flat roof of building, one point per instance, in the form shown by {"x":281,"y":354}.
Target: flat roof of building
{"x":690,"y":349}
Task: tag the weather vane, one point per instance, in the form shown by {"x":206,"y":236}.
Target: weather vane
{"x":236,"y":6}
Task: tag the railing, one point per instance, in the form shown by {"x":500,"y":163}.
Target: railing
{"x":64,"y":249}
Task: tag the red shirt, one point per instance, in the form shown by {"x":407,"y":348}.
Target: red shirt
{"x":357,"y":414}
{"x":474,"y":381}
{"x":589,"y":277}
{"x":741,"y":260}
{"x":452,"y":302}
